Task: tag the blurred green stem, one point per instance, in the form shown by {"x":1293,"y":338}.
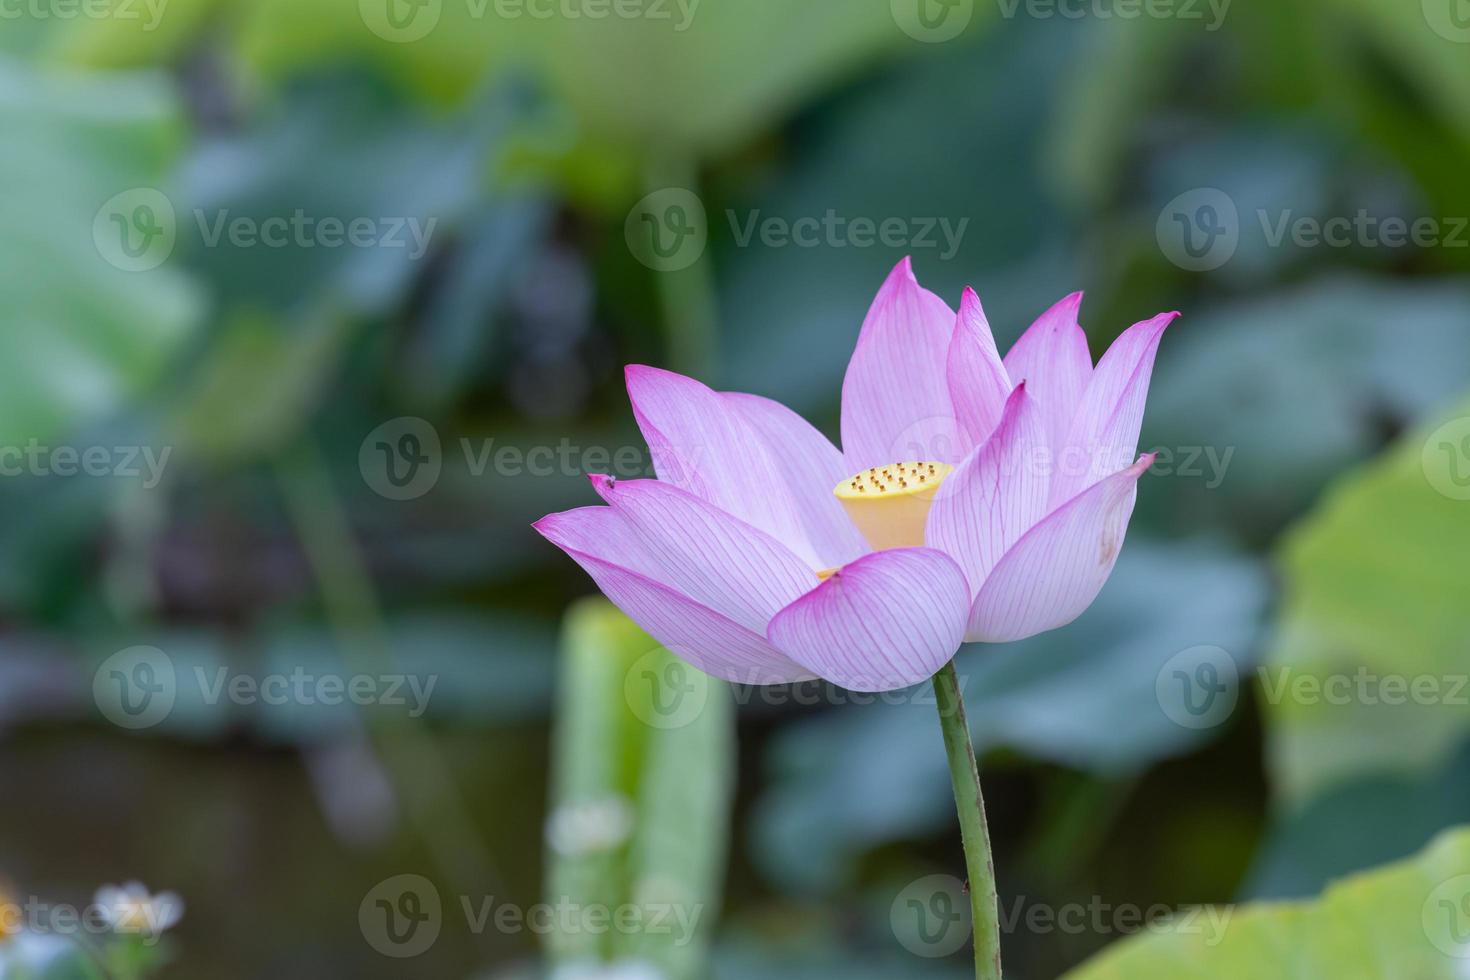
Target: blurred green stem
{"x":409,"y":752}
{"x":974,"y":832}
{"x":686,"y":295}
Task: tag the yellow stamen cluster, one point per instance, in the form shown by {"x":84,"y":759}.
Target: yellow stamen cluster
{"x":890,"y":504}
{"x":898,"y":478}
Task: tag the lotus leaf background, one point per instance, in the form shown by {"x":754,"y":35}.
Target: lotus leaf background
{"x":308,"y":308}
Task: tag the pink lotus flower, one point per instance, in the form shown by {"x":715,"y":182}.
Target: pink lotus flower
{"x":974,"y":499}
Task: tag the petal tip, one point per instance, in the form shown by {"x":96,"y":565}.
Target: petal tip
{"x":636,"y":372}
{"x":902,"y":275}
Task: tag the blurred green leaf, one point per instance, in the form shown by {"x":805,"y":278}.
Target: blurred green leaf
{"x":224,"y":419}
{"x":1373,"y":819}
{"x":1287,"y":390}
{"x":1426,"y":44}
{"x":81,"y":335}
{"x":973,"y":209}
{"x":805,"y":960}
{"x":271,"y":211}
{"x":645,"y":758}
{"x":133,"y":33}
{"x":738,"y":66}
{"x":296,"y":684}
{"x":1410,"y":919}
{"x":1367,"y":667}
{"x":460,"y":324}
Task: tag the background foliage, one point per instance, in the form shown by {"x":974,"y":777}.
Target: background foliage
{"x":1303,"y":526}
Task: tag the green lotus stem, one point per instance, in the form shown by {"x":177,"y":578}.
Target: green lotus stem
{"x":974,"y":832}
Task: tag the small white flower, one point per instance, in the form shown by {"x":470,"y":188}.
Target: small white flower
{"x":594,"y":827}
{"x":133,"y":909}
{"x":623,"y":970}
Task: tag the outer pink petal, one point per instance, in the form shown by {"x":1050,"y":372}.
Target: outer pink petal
{"x":811,"y":468}
{"x":714,"y":558}
{"x":996,"y":495}
{"x":1058,"y":567}
{"x":701,"y":444}
{"x":1104,"y":434}
{"x":978,"y":381}
{"x":895,"y":402}
{"x":1052,"y":357}
{"x":608,"y":547}
{"x":886,"y":621}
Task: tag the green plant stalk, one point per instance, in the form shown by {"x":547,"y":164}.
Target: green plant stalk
{"x":974,"y":832}
{"x":687,"y":296}
{"x":408,"y":750}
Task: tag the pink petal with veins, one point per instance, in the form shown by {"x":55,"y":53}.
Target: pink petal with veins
{"x":888,"y":620}
{"x":895,"y":400}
